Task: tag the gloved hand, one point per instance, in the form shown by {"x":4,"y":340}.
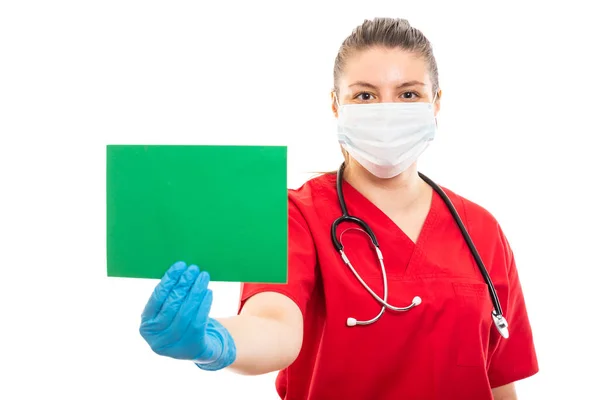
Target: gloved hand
{"x":175,"y":321}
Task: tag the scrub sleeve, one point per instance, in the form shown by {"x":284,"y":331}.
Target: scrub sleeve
{"x":302,"y":262}
{"x":514,"y":358}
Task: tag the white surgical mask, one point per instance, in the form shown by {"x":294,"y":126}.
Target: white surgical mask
{"x":386,"y":138}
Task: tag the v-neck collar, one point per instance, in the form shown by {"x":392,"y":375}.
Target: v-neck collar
{"x":381,"y":224}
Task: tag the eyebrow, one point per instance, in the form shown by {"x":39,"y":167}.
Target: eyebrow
{"x":371,"y":86}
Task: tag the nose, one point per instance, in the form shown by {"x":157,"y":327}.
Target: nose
{"x":388,"y":95}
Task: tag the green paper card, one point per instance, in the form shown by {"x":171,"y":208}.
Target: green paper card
{"x":223,"y":208}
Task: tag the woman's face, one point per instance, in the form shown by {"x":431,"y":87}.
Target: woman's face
{"x":380,"y":75}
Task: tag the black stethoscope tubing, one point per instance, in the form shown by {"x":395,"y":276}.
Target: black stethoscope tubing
{"x":346,"y":217}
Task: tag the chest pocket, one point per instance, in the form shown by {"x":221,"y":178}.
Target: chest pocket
{"x":474,"y":317}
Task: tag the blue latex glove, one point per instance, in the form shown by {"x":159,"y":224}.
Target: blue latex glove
{"x":175,"y":321}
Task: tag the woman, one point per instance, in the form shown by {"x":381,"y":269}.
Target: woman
{"x":330,"y":338}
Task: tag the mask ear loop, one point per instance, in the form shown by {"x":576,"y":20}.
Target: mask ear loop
{"x":433,"y":104}
{"x":337,"y":102}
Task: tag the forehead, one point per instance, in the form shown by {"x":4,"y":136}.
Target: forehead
{"x":382,"y":67}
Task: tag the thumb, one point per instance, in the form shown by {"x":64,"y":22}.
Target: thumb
{"x":205,"y":305}
{"x":196,"y":307}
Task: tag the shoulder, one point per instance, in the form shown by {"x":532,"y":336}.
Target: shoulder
{"x":313,"y":192}
{"x":313,"y":206}
{"x":484,"y":229}
{"x":474,"y":215}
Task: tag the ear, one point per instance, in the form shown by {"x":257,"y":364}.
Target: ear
{"x":334,"y":107}
{"x":437,"y":103}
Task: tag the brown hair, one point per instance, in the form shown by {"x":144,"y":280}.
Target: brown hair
{"x":388,"y":33}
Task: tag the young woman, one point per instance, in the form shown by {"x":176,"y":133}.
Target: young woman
{"x":411,"y":296}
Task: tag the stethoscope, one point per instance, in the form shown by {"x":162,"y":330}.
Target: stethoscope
{"x":497,"y":317}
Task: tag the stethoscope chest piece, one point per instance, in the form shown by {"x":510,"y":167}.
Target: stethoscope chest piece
{"x":501,"y":324}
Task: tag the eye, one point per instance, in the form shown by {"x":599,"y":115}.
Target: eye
{"x":410,"y":95}
{"x":364,"y":96}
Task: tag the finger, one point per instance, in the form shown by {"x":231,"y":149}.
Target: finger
{"x":163,"y":289}
{"x":189,"y":310}
{"x":177,"y":297}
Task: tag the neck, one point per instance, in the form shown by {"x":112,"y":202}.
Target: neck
{"x":396,"y":195}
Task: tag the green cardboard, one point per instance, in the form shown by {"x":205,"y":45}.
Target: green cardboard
{"x":223,"y":208}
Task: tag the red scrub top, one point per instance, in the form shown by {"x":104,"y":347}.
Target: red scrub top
{"x":445,"y":348}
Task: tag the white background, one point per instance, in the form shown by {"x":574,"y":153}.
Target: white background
{"x":518,"y":135}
